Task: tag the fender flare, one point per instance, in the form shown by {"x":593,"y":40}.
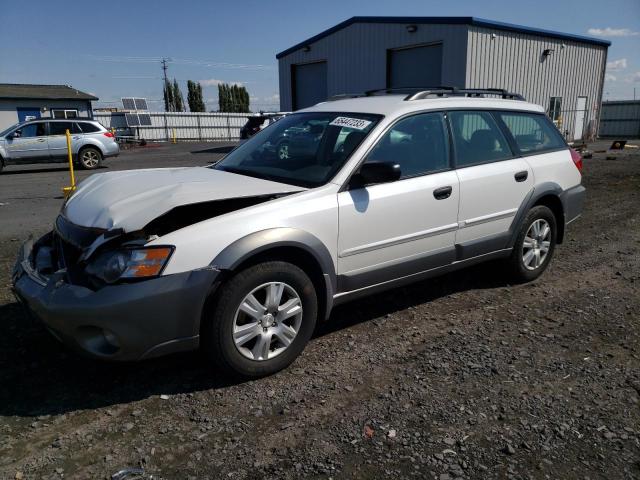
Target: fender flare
{"x":246,"y":247}
{"x":535,"y":194}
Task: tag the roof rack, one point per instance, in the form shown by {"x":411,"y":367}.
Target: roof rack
{"x":466,"y":92}
{"x":419,"y":93}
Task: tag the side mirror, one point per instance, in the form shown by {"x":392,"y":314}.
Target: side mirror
{"x":15,"y":134}
{"x":375,"y":172}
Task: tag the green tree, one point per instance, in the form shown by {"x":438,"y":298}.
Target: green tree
{"x":233,"y":98}
{"x":169,"y":105}
{"x":178,"y":99}
{"x":194,"y":97}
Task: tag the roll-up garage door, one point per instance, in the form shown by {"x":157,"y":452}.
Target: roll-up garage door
{"x":309,"y":84}
{"x":419,"y":66}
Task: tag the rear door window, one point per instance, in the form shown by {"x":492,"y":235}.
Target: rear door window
{"x":60,"y":128}
{"x":477,"y":138}
{"x":533,"y":133}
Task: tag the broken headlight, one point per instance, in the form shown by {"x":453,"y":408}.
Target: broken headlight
{"x":128,"y":264}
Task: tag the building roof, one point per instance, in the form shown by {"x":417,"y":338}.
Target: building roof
{"x":479,"y":22}
{"x":44,"y":92}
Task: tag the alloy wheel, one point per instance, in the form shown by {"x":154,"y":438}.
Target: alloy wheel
{"x":536,"y":245}
{"x":267,"y":321}
{"x":90,"y":158}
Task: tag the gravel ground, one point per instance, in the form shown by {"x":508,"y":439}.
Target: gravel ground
{"x":462,"y":376}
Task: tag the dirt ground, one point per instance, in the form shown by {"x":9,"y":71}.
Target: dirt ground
{"x":462,"y":376}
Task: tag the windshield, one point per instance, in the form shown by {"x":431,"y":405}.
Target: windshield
{"x":304,"y":149}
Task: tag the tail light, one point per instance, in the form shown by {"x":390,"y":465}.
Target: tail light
{"x":109,"y":134}
{"x":577,"y":159}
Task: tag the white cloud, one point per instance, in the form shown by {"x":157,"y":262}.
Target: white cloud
{"x":213,"y":82}
{"x":275,"y":98}
{"x":612,"y":32}
{"x":609,"y":77}
{"x":633,"y":78}
{"x":617,"y":65}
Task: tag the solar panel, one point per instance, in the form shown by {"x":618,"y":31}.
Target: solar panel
{"x":132,"y":119}
{"x":129,"y":103}
{"x":145,"y":119}
{"x":141,"y":104}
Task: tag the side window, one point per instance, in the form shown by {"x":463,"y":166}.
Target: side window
{"x":419,"y":144}
{"x":532,"y":133}
{"x":477,"y":138}
{"x":32,"y":130}
{"x":89,"y":127}
{"x":60,"y":128}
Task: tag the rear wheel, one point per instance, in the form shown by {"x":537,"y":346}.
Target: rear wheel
{"x":262,"y":320}
{"x":90,"y":158}
{"x":534,"y":245}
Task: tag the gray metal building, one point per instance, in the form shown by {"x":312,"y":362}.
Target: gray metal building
{"x":620,"y":119}
{"x":20,"y":102}
{"x":562,"y":72}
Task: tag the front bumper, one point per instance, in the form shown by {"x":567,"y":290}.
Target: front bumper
{"x":119,"y":322}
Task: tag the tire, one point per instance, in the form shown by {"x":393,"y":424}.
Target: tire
{"x":90,"y":158}
{"x":258,"y":347}
{"x":529,"y":259}
{"x":1,"y":164}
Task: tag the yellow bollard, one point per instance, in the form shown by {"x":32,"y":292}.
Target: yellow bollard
{"x":174,"y":136}
{"x":69,"y":190}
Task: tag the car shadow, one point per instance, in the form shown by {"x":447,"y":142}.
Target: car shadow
{"x":61,"y":168}
{"x":39,"y":376}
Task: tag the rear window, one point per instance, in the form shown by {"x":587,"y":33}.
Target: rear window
{"x":532,"y":132}
{"x":89,"y":127}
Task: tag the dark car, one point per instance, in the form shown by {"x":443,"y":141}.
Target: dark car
{"x":257,"y":122}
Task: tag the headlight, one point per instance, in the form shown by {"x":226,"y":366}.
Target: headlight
{"x":129,"y":263}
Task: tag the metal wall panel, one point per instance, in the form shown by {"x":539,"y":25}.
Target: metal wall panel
{"x":187,"y":125}
{"x":515,"y":61}
{"x":357,"y":56}
{"x":620,"y":119}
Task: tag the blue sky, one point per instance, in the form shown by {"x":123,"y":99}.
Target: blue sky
{"x":112,"y":49}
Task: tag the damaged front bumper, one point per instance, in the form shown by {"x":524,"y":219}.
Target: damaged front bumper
{"x":129,"y":321}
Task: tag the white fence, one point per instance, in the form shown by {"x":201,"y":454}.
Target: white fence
{"x":184,"y":125}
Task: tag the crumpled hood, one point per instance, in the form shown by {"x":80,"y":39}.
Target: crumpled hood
{"x":130,"y":199}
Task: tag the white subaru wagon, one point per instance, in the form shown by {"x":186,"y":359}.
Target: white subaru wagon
{"x":244,"y":257}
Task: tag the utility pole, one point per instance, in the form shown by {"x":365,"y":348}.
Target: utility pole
{"x":165,"y":66}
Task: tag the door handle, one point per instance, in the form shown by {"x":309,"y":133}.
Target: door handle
{"x":521,"y":176}
{"x":76,"y":138}
{"x":41,"y":140}
{"x":442,"y":193}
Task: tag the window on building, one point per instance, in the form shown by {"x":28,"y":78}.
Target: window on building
{"x":555,"y":108}
{"x":532,"y":133}
{"x":477,"y":138}
{"x":418,"y":144}
{"x":60,"y":128}
{"x":64,"y":113}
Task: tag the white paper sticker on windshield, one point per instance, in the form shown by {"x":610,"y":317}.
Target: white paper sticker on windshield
{"x":357,"y":123}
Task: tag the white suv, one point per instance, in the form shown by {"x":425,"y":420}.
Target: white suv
{"x":244,"y":257}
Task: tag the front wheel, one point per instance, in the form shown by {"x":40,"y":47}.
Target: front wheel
{"x":262,"y":320}
{"x":534,"y":245}
{"x":90,"y":158}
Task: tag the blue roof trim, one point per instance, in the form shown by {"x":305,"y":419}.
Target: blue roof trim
{"x":479,"y":22}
